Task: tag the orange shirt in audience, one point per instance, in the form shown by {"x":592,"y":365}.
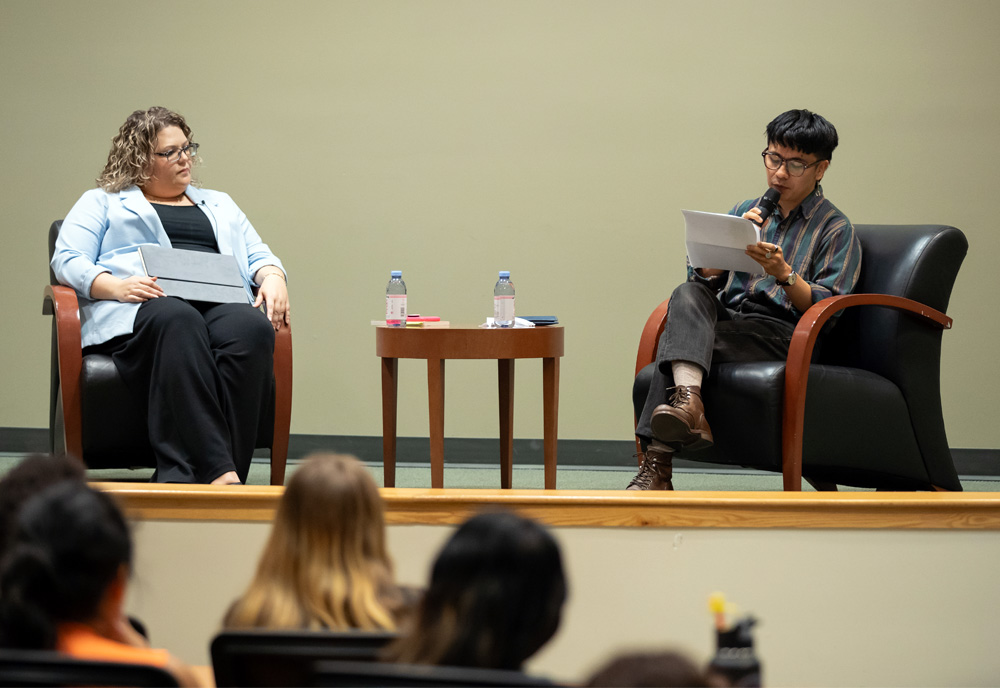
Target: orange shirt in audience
{"x":80,"y":641}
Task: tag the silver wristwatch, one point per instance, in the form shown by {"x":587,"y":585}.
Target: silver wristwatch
{"x":792,"y":279}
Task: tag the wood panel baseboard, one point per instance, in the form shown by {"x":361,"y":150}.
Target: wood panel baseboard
{"x":596,"y":508}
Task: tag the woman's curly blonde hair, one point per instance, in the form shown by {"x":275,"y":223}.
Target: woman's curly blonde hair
{"x":131,"y":156}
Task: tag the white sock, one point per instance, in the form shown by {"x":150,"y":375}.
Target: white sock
{"x":686,"y":373}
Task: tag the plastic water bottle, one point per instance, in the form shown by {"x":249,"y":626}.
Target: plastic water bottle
{"x":503,"y":301}
{"x":395,"y":300}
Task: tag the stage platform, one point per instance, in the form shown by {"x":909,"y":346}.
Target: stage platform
{"x":851,"y":588}
{"x":597,"y":508}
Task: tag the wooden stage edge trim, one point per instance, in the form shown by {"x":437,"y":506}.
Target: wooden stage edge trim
{"x":596,"y":508}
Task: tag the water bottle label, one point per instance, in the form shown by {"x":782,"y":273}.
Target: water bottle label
{"x":503,"y":308}
{"x":395,"y":308}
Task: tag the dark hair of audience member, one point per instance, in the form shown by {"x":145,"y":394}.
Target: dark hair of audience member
{"x":29,"y":477}
{"x":68,"y":545}
{"x":642,"y":669}
{"x":495,"y":597}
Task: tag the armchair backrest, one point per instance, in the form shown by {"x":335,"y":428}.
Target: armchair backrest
{"x":918,"y":262}
{"x":53,"y":235}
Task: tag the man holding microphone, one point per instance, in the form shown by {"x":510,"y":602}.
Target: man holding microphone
{"x":808,"y":251}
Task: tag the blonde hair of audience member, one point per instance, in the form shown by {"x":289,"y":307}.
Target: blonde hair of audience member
{"x":325,"y":564}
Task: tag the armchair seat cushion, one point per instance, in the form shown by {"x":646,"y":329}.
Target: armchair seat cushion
{"x":750,"y":396}
{"x":116,"y":426}
{"x":852,"y":415}
{"x":844,"y":428}
{"x":117,"y":433}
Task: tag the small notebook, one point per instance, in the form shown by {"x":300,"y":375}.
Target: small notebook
{"x":194,"y":275}
{"x":541,"y":320}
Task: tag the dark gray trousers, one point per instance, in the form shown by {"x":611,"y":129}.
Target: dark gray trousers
{"x":701,"y":330}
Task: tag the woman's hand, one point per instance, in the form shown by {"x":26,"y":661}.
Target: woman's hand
{"x":274,"y":295}
{"x":135,"y":289}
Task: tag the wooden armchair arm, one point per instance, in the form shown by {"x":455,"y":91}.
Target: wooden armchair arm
{"x":648,"y":343}
{"x":61,"y":302}
{"x":800,"y":355}
{"x":650,"y":338}
{"x":282,"y":403}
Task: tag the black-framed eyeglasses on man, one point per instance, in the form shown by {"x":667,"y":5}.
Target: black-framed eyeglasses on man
{"x":794,"y":166}
{"x":174,"y":154}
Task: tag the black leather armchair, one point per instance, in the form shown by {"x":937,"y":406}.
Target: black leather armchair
{"x":90,"y":412}
{"x":872,"y":416}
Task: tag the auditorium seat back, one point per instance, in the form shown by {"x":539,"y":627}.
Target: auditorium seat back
{"x":390,"y":675}
{"x":49,"y":668}
{"x":263,"y":657}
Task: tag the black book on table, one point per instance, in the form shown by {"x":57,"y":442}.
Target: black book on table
{"x":194,"y":275}
{"x":541,"y":320}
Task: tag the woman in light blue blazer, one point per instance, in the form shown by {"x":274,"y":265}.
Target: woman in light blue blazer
{"x":202,"y":371}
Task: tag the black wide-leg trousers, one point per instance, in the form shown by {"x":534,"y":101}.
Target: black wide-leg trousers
{"x":203,"y":374}
{"x":700,"y":329}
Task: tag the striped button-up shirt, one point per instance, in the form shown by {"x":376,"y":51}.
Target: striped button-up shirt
{"x":816,"y":239}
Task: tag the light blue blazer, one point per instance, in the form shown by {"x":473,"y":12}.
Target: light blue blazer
{"x":103,"y":232}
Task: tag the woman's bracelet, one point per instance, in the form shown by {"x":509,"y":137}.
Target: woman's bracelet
{"x":276,"y":274}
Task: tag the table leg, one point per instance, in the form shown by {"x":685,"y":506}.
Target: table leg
{"x":390,"y":366}
{"x":505,"y":370}
{"x":550,"y":402}
{"x":435,"y":402}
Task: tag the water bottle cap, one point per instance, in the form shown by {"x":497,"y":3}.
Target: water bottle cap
{"x":505,"y":273}
{"x":395,"y":274}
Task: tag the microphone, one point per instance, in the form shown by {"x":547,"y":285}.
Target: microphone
{"x":767,"y":204}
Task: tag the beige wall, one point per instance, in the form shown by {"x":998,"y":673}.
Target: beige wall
{"x":450,"y":139}
{"x":837,"y":608}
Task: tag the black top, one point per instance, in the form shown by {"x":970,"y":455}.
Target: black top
{"x":188,"y":227}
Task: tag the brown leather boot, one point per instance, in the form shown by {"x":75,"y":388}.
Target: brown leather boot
{"x":657,"y":469}
{"x":680,"y":423}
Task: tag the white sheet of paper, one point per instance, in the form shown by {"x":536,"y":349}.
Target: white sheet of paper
{"x":719,"y":241}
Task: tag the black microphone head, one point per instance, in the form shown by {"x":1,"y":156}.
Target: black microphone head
{"x":767,"y":203}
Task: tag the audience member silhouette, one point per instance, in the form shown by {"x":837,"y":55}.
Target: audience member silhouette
{"x":29,"y":477}
{"x":642,"y":669}
{"x":495,"y":597}
{"x":63,"y":581}
{"x":325,"y":565}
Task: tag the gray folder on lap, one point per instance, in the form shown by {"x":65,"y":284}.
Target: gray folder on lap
{"x":194,"y":275}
